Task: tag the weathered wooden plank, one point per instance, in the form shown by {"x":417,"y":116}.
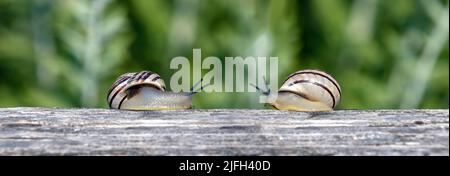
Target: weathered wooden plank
{"x":50,"y":131}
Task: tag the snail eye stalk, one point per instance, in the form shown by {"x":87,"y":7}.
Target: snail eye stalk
{"x":194,"y":91}
{"x":267,"y":89}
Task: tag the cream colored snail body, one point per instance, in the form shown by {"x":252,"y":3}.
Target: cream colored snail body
{"x":146,"y":90}
{"x":307,"y":90}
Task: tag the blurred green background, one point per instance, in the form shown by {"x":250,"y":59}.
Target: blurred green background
{"x":67,"y":53}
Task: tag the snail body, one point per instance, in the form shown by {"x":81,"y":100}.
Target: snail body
{"x":307,"y":90}
{"x":145,"y":90}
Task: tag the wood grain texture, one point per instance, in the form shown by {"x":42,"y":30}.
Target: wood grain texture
{"x":52,"y":131}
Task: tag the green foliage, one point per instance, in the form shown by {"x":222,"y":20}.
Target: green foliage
{"x":385,"y":54}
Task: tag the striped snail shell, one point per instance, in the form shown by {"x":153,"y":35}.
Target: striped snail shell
{"x":308,"y":90}
{"x":122,"y":88}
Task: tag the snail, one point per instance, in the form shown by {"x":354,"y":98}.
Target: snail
{"x":146,"y":90}
{"x":306,"y":90}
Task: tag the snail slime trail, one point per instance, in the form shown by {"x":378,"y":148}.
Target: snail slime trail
{"x":252,"y":69}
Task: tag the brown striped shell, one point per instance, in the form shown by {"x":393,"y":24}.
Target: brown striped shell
{"x":313,"y":85}
{"x":117,"y":93}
